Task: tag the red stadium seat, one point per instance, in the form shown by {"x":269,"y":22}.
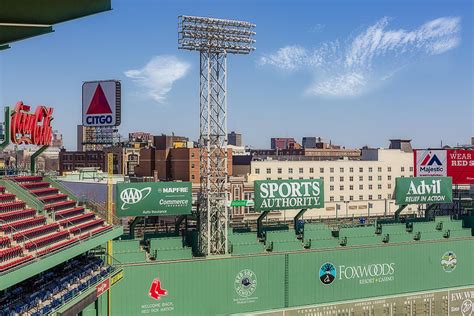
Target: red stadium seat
{"x":77,"y":219}
{"x":14,"y":262}
{"x":56,"y":246}
{"x":45,"y":229}
{"x":60,"y":205}
{"x":46,"y":240}
{"x":5,"y":241}
{"x":12,"y":206}
{"x":86,"y":226}
{"x":69,"y":212}
{"x":17,"y":215}
{"x":35,"y":185}
{"x":44,"y":191}
{"x":7,"y":197}
{"x":23,"y":224}
{"x":95,"y":231}
{"x":53,"y":198}
{"x":27,"y":178}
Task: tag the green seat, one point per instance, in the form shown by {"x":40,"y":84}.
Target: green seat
{"x":129,"y":257}
{"x":120,"y":246}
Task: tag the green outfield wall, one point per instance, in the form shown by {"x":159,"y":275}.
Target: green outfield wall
{"x":246,"y":284}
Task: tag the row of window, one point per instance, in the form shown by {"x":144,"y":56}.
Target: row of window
{"x":361,"y":187}
{"x":361,"y":198}
{"x":331,"y":179}
{"x":331,"y":170}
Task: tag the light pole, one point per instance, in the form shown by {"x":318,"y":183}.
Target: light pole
{"x":214,"y":39}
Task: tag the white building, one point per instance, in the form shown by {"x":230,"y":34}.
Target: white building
{"x":351,"y":187}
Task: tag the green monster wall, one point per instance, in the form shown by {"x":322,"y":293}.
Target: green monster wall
{"x":276,"y":281}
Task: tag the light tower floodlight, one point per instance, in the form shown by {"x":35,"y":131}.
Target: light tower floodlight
{"x":214,"y":39}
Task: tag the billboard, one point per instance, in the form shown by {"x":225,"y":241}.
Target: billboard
{"x":153,"y":198}
{"x":455,"y":163}
{"x":288,"y":194}
{"x":101,"y":103}
{"x":423,"y":190}
{"x":31,"y":128}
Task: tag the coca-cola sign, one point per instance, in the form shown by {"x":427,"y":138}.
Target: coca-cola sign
{"x":31,"y":128}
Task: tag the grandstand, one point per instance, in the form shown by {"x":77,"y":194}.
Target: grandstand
{"x":41,"y":230}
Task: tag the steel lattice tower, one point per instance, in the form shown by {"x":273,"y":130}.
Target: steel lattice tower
{"x":214,"y":39}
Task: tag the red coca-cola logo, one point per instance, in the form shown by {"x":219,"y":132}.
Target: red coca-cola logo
{"x":31,"y":128}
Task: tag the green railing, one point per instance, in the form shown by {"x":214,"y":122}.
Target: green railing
{"x":22,"y":194}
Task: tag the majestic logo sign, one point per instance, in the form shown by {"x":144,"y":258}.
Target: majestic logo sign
{"x":153,"y":198}
{"x":101,"y":103}
{"x":288,"y":194}
{"x":102,"y":287}
{"x":327,"y":273}
{"x":423,"y":190}
{"x":449,"y":261}
{"x":156,"y":292}
{"x":430,"y":163}
{"x":245,"y":283}
{"x":31,"y":129}
{"x":133,"y":196}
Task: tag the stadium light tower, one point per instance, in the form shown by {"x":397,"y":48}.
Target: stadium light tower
{"x":214,"y":39}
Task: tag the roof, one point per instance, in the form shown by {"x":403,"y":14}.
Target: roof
{"x":21,"y":19}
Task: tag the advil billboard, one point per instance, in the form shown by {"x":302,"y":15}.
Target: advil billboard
{"x":455,"y":163}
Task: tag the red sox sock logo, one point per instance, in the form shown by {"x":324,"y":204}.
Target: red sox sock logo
{"x":156,"y":291}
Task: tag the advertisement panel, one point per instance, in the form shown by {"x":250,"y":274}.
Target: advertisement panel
{"x":31,"y":128}
{"x":455,"y":163}
{"x":288,"y":194}
{"x":423,"y":190}
{"x":101,"y":103}
{"x":153,"y":198}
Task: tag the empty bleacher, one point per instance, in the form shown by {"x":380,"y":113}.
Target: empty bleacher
{"x":282,"y":240}
{"x":125,"y":251}
{"x":244,"y":243}
{"x":170,"y":248}
{"x":26,"y":234}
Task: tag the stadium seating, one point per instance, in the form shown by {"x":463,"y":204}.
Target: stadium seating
{"x":47,"y":291}
{"x":24,"y":234}
{"x":170,"y":248}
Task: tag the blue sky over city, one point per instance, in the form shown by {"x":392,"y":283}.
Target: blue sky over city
{"x":354,"y":72}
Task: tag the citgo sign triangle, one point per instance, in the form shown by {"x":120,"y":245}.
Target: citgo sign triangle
{"x":99,"y":104}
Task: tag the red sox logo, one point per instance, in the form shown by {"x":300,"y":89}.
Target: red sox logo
{"x":156,"y":291}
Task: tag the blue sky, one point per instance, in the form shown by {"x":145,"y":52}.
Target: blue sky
{"x":356,"y":72}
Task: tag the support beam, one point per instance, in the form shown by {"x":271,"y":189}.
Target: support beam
{"x":133,"y":224}
{"x":400,"y":209}
{"x":295,"y":220}
{"x":260,"y":223}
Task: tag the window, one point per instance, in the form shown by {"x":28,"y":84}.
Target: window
{"x":411,"y":169}
{"x":370,"y":169}
{"x":279,"y":178}
{"x":290,"y":170}
{"x":321,"y":170}
{"x":361,"y":197}
{"x":269,"y":178}
{"x":192,"y":155}
{"x":361,"y":169}
{"x":379,"y":196}
{"x":311,"y":178}
{"x":269,"y":170}
{"x":331,"y":198}
{"x":351,"y":178}
{"x":192,"y":165}
{"x":389,"y":196}
{"x":389,"y":169}
{"x":379,"y":186}
{"x":370,"y":186}
{"x":370,"y":197}
{"x":341,"y":179}
{"x":389,"y":178}
{"x":351,"y":187}
{"x":257,"y":170}
{"x":341,"y":169}
{"x":341,"y":198}
{"x":301,"y":170}
{"x":361,"y":187}
{"x":331,"y":188}
{"x":192,"y":176}
{"x":311,"y":170}
{"x":389,"y":186}
{"x":351,"y":169}
{"x":370,"y":178}
{"x":279,"y":170}
{"x":322,"y":178}
{"x":351,"y":198}
{"x":341,"y":187}
{"x":379,"y":169}
{"x":361,"y":178}
{"x":331,"y":170}
{"x":379,"y":178}
{"x":301,"y":178}
{"x":290,"y":178}
{"x":402,"y":169}
{"x":331,"y":179}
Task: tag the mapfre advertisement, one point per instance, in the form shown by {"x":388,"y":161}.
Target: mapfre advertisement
{"x":455,"y":163}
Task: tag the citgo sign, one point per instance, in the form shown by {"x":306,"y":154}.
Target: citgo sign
{"x":423,"y":190}
{"x":153,"y":198}
{"x":288,"y":194}
{"x":101,"y":103}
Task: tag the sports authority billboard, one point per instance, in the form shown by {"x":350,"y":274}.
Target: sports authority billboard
{"x":423,"y":190}
{"x":101,"y":103}
{"x":153,"y":198}
{"x":455,"y":163}
{"x":288,"y":194}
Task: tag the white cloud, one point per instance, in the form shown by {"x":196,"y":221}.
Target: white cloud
{"x":369,"y":58}
{"x":156,"y":78}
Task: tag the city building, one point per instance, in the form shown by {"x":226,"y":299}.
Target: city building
{"x":140,"y":139}
{"x":284,"y":143}
{"x":305,"y":154}
{"x":73,"y":160}
{"x":234,"y":139}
